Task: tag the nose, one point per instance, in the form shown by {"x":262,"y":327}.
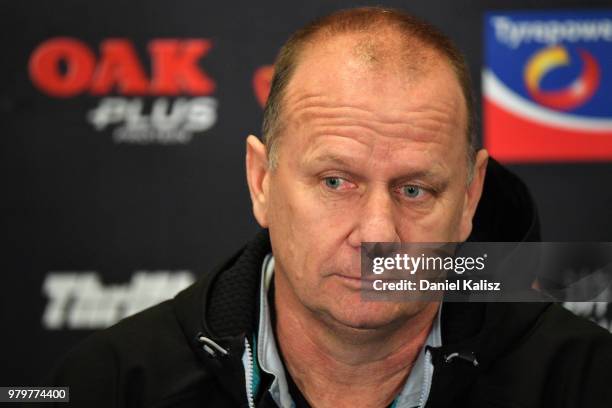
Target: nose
{"x":376,"y":219}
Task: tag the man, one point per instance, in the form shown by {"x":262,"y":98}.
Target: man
{"x":368,"y":137}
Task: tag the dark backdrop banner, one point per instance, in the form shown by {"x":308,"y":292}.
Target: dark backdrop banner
{"x":123,"y":129}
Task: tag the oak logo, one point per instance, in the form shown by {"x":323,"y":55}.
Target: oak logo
{"x":165,"y":105}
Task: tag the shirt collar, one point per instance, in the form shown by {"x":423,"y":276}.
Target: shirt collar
{"x":267,"y":352}
{"x":416,"y":387}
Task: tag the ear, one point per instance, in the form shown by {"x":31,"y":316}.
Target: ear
{"x":257,"y":173}
{"x":473,"y":193}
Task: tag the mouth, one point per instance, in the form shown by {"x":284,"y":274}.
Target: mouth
{"x":357,"y":278}
{"x":356,"y":281}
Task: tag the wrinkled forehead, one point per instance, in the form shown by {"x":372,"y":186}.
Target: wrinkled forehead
{"x":376,"y":79}
{"x":382,"y":51}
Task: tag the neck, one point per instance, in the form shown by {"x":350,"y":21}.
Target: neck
{"x":343,"y":366}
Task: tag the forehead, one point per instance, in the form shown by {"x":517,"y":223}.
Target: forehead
{"x":377,"y":80}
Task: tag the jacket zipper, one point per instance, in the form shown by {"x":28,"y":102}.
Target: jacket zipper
{"x":213,"y":348}
{"x":248,"y":373}
{"x":427,"y":377}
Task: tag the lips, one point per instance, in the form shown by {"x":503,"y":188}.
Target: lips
{"x":357,"y":280}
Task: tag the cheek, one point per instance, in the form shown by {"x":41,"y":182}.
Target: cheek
{"x":440,"y":223}
{"x":304,"y":209}
{"x":306,"y":233}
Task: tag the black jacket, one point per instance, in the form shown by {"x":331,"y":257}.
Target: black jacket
{"x":529,"y":354}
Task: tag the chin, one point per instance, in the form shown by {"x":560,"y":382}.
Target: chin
{"x":372,"y":315}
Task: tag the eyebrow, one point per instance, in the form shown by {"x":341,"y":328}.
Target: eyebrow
{"x":328,"y":158}
{"x":439,"y":182}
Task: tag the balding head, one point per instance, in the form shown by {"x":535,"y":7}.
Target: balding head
{"x":370,"y":110}
{"x":378,"y":39}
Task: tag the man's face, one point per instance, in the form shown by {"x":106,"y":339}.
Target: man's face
{"x":367,"y":154}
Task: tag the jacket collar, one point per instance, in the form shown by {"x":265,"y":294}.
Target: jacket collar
{"x":223,"y":306}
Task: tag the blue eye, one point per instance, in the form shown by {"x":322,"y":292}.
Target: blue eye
{"x":333,"y":182}
{"x":412,"y":191}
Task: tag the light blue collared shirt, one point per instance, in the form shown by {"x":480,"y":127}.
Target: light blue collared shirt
{"x":417,"y":386}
